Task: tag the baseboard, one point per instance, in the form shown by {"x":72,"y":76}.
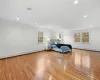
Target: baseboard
{"x":21,"y":54}
{"x":87,"y":49}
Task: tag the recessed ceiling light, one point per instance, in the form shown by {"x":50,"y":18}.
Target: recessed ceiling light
{"x":36,"y":23}
{"x":76,"y":2}
{"x":91,"y":26}
{"x":85,"y":16}
{"x":17,"y":18}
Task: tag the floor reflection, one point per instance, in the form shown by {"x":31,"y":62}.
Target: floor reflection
{"x":77,"y":62}
{"x":82,"y":59}
{"x":41,"y":65}
{"x":50,"y":78}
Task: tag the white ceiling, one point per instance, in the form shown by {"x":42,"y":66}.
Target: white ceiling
{"x":62,"y":13}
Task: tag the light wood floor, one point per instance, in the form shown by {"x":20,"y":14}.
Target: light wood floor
{"x":50,"y":65}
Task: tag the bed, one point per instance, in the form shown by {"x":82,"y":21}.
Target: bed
{"x":63,"y":48}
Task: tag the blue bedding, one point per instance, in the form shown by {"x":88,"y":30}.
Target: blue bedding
{"x":62,"y":48}
{"x":65,"y":48}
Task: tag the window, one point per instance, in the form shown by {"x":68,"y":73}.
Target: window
{"x":40,"y":37}
{"x":77,"y":37}
{"x":59,"y":36}
{"x":85,"y":37}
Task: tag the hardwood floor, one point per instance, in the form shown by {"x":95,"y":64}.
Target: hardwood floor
{"x":50,"y":65}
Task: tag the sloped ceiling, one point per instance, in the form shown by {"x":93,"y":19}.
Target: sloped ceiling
{"x":63,"y":13}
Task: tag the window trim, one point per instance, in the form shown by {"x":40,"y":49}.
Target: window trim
{"x":40,"y":35}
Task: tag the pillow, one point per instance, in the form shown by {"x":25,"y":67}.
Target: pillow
{"x":53,"y":46}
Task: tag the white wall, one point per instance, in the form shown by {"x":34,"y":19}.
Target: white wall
{"x":94,"y":39}
{"x":67,"y":37}
{"x":17,"y":38}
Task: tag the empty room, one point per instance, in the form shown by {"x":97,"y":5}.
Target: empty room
{"x":49,"y":39}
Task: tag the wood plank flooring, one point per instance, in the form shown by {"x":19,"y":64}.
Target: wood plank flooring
{"x":50,"y":65}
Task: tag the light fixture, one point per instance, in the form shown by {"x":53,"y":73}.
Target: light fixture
{"x":78,"y":34}
{"x":36,"y":23}
{"x":76,"y":2}
{"x":91,"y":26}
{"x":29,"y":9}
{"x":85,"y":16}
{"x":48,"y":39}
{"x":17,"y":19}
